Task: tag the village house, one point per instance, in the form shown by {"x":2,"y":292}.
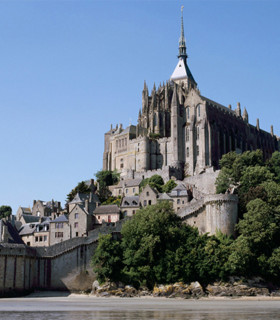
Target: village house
{"x":107,"y":214}
{"x":59,"y":230}
{"x":129,"y":205}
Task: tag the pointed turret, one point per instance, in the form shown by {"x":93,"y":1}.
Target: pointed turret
{"x":182,"y":71}
{"x":245,"y":115}
{"x":238,"y":110}
{"x":145,"y":97}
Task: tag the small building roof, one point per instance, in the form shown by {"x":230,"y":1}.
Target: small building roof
{"x":165,"y":196}
{"x":179,"y":190}
{"x":62,"y":218}
{"x":25,"y":210}
{"x":130,"y":201}
{"x":28,"y":228}
{"x":107,"y":209}
{"x":29,"y":218}
{"x":128,"y":183}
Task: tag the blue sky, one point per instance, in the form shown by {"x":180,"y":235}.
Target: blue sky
{"x":69,"y":69}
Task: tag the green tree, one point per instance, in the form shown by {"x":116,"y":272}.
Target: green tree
{"x":155,"y":182}
{"x":82,"y":187}
{"x":5,"y":211}
{"x":107,"y":259}
{"x":274,"y":165}
{"x":106,"y":178}
{"x":169,"y":186}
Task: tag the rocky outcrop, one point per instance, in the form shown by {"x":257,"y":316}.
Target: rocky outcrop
{"x":236,"y":287}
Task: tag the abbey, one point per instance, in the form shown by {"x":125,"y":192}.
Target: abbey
{"x":180,"y":132}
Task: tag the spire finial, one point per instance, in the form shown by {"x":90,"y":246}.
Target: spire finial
{"x":182,"y":42}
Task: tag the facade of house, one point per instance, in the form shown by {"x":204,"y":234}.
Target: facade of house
{"x":129,"y":205}
{"x":126,"y":188}
{"x":148,"y":196}
{"x":107,"y":214}
{"x":59,"y":230}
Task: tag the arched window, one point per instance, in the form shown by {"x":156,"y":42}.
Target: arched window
{"x":198,"y":111}
{"x":197,"y":150}
{"x":197,"y":133}
{"x":155,"y":120}
{"x":188,"y":112}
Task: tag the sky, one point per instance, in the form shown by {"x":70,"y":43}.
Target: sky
{"x":69,"y":69}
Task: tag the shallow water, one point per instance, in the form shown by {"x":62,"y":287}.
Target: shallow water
{"x":89,"y":308}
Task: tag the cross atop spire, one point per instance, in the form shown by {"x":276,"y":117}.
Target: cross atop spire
{"x":182,"y":41}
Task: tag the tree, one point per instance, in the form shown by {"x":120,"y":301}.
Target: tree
{"x":274,"y":165}
{"x":5,"y":211}
{"x":82,"y":187}
{"x":155,"y":182}
{"x":106,"y":178}
{"x":107,"y":259}
{"x":169,"y":186}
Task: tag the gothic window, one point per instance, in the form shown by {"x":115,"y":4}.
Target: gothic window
{"x":197,"y":150}
{"x":155,"y":120}
{"x":188,"y":134}
{"x":188,"y":112}
{"x":198,"y":111}
{"x":117,"y":143}
{"x":197,"y":133}
{"x":188,"y":152}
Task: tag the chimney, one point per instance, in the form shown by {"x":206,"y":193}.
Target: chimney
{"x":229,"y":106}
{"x":86,"y":205}
{"x":271,"y":130}
{"x":34,"y":202}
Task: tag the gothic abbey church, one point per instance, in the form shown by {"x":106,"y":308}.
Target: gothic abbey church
{"x":180,"y":132}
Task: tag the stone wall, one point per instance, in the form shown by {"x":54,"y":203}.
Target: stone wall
{"x":213,"y":213}
{"x":17,"y":269}
{"x":63,"y":266}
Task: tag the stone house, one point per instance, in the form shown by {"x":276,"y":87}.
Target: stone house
{"x":26,"y":233}
{"x":181,"y":196}
{"x":129,"y":205}
{"x":59,"y":230}
{"x":148,"y":196}
{"x":89,"y":201}
{"x":23,"y":211}
{"x":41,"y":234}
{"x":80,"y":221}
{"x":107,"y":214}
{"x":45,"y":208}
{"x":125,"y":188}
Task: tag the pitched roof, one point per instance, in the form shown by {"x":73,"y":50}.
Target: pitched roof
{"x":179,"y":190}
{"x":80,"y":197}
{"x":62,"y":218}
{"x":131,"y":201}
{"x":165,"y":196}
{"x":29,"y":218}
{"x":28,"y":228}
{"x":129,"y":183}
{"x":14,"y":236}
{"x":26,"y":210}
{"x":107,"y":209}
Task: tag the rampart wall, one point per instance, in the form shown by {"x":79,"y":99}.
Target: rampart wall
{"x":63,"y":266}
{"x":213,"y":213}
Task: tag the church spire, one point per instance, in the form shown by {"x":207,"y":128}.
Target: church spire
{"x":182,"y":71}
{"x":182,"y":41}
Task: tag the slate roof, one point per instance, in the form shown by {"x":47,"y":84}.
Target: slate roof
{"x":29,"y":218}
{"x":107,"y":209}
{"x":14,"y":236}
{"x":128,"y":183}
{"x":179,"y":190}
{"x":165,"y":196}
{"x":62,"y":218}
{"x":131,"y":201}
{"x":28,"y":228}
{"x":26,"y":210}
{"x":82,"y":197}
